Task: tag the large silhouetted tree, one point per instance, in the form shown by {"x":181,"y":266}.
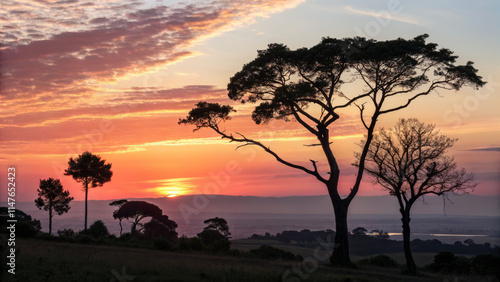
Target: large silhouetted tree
{"x":307,"y":86}
{"x":135,"y":211}
{"x":89,"y":169}
{"x":52,"y":198}
{"x":410,"y":161}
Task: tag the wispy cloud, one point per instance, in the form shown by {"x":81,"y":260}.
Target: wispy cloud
{"x":487,"y":149}
{"x":56,"y":49}
{"x":384,"y":15}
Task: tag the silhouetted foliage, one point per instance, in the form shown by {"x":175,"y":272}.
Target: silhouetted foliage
{"x":380,"y":261}
{"x":380,"y":234}
{"x":305,"y":236}
{"x":161,"y":243}
{"x":194,"y":243}
{"x":98,"y":229}
{"x":269,"y":252}
{"x":118,"y":203}
{"x":89,"y":169}
{"x":25,"y":229}
{"x":20,"y":216}
{"x":359,"y":231}
{"x":373,"y":243}
{"x":218,"y":224}
{"x":67,"y":232}
{"x":447,"y":262}
{"x":161,"y":227}
{"x":52,"y":198}
{"x":306,"y":86}
{"x":409,"y":160}
{"x":135,"y":211}
{"x":215,"y":235}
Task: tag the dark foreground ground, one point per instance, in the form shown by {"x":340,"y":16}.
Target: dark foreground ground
{"x":53,"y":261}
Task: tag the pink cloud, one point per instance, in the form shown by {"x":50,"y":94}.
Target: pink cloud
{"x":137,"y":41}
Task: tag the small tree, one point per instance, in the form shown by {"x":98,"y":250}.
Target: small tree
{"x":215,"y":235}
{"x":359,"y":231}
{"x":218,"y":224}
{"x":90,"y":170}
{"x":118,"y":203}
{"x":410,"y":161}
{"x":98,"y":229}
{"x":52,"y":198}
{"x":135,"y":211}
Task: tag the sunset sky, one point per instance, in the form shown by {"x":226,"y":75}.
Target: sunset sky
{"x":113,"y":77}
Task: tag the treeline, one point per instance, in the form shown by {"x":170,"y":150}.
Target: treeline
{"x":158,"y":233}
{"x":376,"y":242}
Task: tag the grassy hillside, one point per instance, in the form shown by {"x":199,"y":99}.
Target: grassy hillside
{"x":52,"y":261}
{"x":421,"y":259}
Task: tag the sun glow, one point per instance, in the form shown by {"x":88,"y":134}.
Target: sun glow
{"x":171,"y":191}
{"x":172,"y":187}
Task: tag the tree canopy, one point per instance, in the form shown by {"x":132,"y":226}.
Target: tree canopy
{"x":161,"y":227}
{"x":411,"y":160}
{"x":135,"y":211}
{"x":89,"y":169}
{"x":218,"y":224}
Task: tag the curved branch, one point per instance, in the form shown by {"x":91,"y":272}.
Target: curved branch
{"x":269,"y":151}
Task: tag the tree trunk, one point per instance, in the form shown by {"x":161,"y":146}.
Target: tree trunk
{"x":340,"y":254}
{"x":50,"y":221}
{"x":121,"y":227}
{"x":410,"y":263}
{"x":86,"y":193}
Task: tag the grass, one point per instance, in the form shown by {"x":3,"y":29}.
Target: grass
{"x":55,"y":261}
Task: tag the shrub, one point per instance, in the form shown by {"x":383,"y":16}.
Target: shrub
{"x":380,"y":261}
{"x":125,"y":237}
{"x":67,"y":232}
{"x":163,"y":244}
{"x":269,"y":252}
{"x":45,"y":237}
{"x":196,"y":244}
{"x":214,"y":241}
{"x":25,"y":229}
{"x":447,"y":262}
{"x":98,"y":229}
{"x":486,"y":265}
{"x":85,"y":239}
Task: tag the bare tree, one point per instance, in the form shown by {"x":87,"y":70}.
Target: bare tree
{"x":307,"y":86}
{"x":410,"y":161}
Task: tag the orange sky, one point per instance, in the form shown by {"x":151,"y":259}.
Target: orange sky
{"x":115,"y":77}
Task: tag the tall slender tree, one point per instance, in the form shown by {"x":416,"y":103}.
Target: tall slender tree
{"x":89,"y":170}
{"x":307,"y":86}
{"x":410,"y":161}
{"x":52,"y":198}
